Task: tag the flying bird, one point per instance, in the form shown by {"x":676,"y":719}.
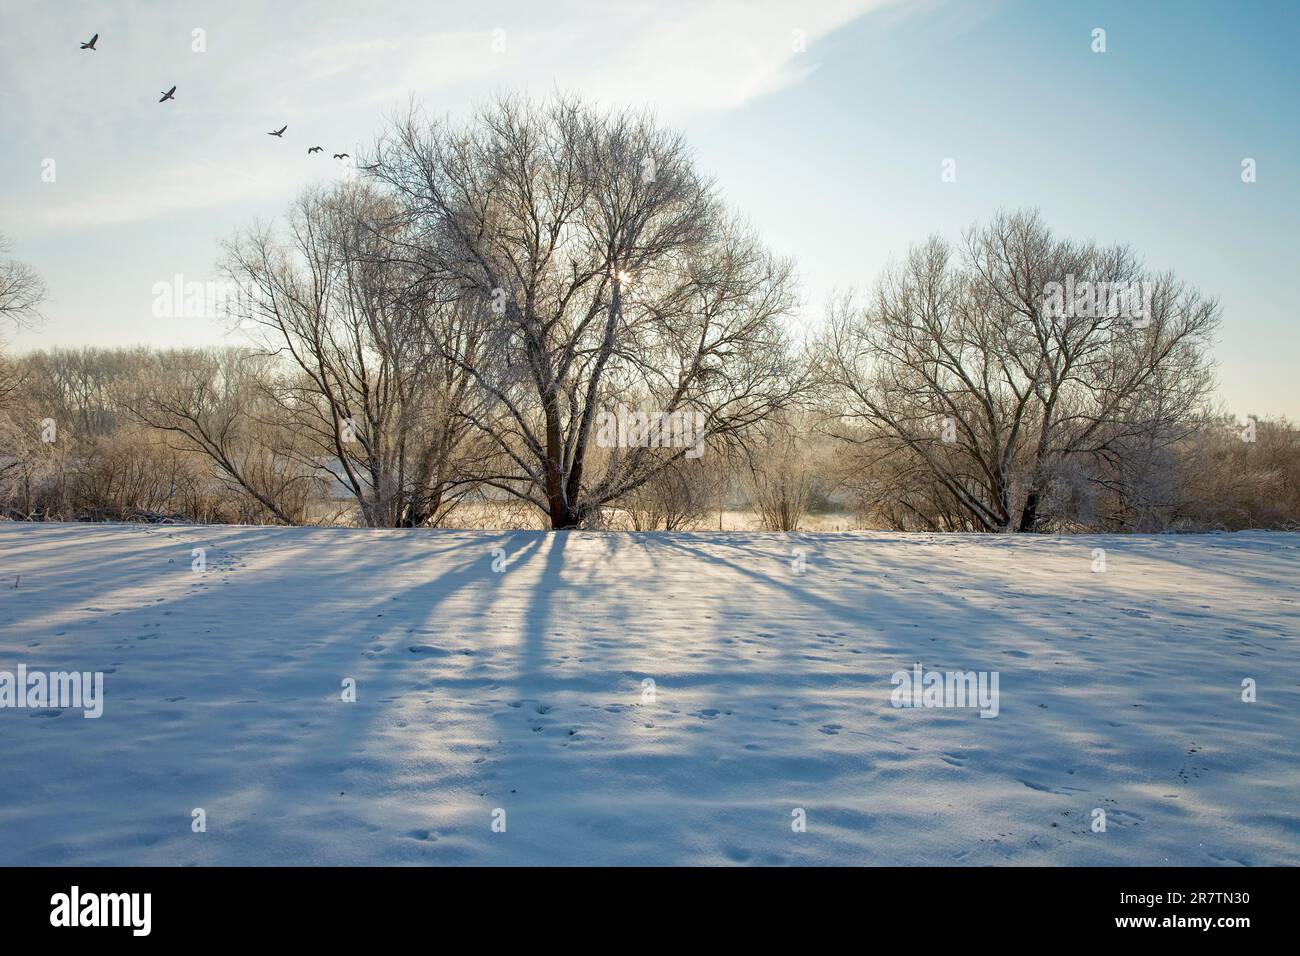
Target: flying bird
{"x":90,"y":44}
{"x":279,"y":132}
{"x":316,"y":149}
{"x":340,"y":155}
{"x":169,"y":95}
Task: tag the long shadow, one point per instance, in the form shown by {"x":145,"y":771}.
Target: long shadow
{"x":390,"y":680}
{"x":214,"y":679}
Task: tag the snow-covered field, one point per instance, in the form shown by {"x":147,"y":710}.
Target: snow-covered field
{"x":522,"y":690}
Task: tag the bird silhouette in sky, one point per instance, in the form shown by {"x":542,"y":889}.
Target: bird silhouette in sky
{"x":90,"y":44}
{"x":279,"y":132}
{"x":340,"y":155}
{"x":316,"y":149}
{"x":169,"y":95}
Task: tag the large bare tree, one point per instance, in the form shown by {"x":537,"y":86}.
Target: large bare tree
{"x":998,"y":370}
{"x":609,"y":272}
{"x":367,"y":382}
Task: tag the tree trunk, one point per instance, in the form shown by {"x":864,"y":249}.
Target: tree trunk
{"x":564,"y":517}
{"x":1029,"y":516}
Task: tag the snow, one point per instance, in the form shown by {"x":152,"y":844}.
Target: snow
{"x":522,"y":690}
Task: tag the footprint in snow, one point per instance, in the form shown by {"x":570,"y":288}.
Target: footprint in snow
{"x":428,"y":649}
{"x":1043,"y":788}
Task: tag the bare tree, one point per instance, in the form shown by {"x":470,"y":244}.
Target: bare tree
{"x":610,"y":272}
{"x":21,"y":294}
{"x":678,"y":497}
{"x":971,"y":365}
{"x":1233,"y":474}
{"x":369,"y":386}
{"x":783,"y":476}
{"x":218,"y":403}
{"x":21,"y":288}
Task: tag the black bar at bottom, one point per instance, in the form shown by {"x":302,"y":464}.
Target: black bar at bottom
{"x":337,"y":905}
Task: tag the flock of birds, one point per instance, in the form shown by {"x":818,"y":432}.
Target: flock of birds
{"x":171,"y":95}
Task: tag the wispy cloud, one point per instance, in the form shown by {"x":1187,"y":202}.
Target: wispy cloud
{"x":194,"y":185}
{"x":709,"y":56}
{"x":713,"y":55}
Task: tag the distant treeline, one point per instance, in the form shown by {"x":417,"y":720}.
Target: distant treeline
{"x":189,"y":436}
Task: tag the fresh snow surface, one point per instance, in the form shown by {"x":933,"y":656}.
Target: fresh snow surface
{"x":522,"y":691}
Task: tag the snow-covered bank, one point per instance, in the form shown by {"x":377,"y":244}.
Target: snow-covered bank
{"x":523,"y":690}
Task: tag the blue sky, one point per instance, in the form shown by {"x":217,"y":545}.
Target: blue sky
{"x":834,"y":152}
